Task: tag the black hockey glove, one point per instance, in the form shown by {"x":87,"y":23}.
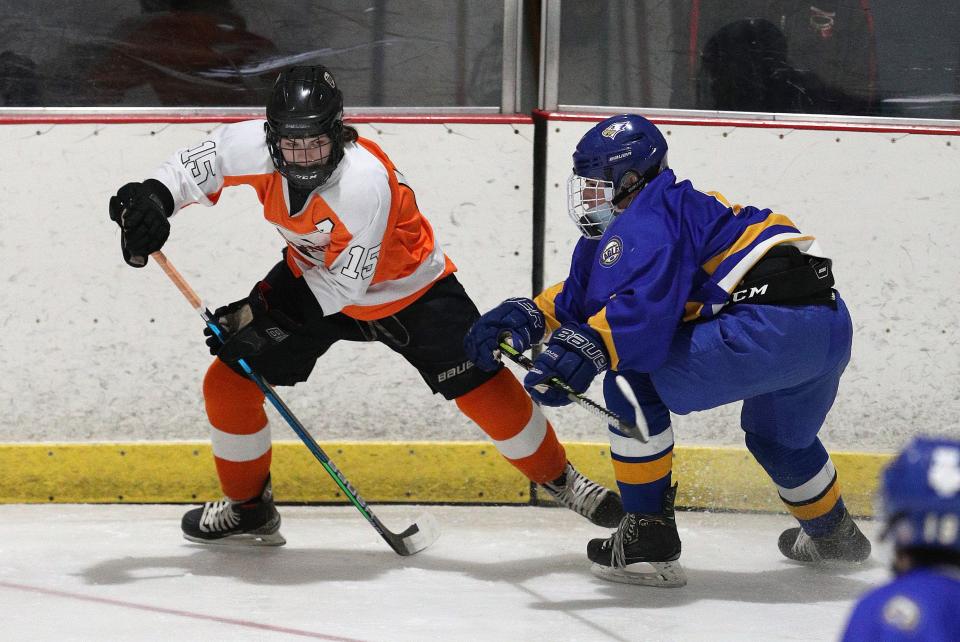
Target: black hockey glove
{"x":251,"y":327}
{"x":141,"y":211}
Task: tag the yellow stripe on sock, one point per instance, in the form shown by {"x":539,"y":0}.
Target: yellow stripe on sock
{"x":818,"y":508}
{"x":645,"y":472}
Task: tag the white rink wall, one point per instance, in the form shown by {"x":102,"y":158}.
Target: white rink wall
{"x":95,"y":350}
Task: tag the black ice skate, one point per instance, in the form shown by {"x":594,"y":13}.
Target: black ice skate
{"x":845,"y":545}
{"x":644,"y":549}
{"x":600,"y":505}
{"x":254,"y":522}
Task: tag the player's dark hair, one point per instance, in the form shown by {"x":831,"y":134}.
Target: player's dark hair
{"x":349,"y":135}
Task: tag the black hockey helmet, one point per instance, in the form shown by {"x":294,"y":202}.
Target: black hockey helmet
{"x":305,"y":103}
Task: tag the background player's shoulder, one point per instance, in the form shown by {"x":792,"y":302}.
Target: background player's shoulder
{"x":915,"y":604}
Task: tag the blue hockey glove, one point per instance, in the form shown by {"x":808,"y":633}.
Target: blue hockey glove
{"x":575,"y":354}
{"x":520,"y":319}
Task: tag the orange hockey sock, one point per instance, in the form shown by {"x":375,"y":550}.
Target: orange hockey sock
{"x":240,"y":434}
{"x":520,"y":432}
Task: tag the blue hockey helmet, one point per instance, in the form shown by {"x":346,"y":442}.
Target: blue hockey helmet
{"x":612,"y":162}
{"x":920,"y":495}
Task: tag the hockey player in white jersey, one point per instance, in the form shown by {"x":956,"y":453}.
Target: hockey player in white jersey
{"x":360,"y":263}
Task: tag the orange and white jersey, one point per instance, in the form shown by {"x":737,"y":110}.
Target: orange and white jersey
{"x":359,"y":241}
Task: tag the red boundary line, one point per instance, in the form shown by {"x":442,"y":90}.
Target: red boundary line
{"x":763,"y":124}
{"x":481,"y":119}
{"x":188,"y":614}
{"x":117,"y":119}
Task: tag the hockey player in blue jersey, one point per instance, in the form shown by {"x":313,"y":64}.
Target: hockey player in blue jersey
{"x":696,"y":303}
{"x":920,"y":496}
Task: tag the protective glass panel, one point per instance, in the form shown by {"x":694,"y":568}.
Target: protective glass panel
{"x":846,"y":57}
{"x":222,"y":53}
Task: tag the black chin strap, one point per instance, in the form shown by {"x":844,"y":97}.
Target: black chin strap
{"x":627,"y":191}
{"x":642,"y":181}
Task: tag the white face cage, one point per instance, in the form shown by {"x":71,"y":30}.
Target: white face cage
{"x":589,"y":204}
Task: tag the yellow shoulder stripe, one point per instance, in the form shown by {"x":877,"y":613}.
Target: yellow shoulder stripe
{"x":749,"y":235}
{"x":598,"y":322}
{"x":545,"y":301}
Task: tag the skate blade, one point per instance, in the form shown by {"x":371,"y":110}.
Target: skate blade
{"x":663,"y":574}
{"x":242,"y":540}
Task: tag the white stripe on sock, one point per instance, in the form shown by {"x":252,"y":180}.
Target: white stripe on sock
{"x":812,"y":487}
{"x":630,"y":447}
{"x":526,"y":442}
{"x":240,"y":447}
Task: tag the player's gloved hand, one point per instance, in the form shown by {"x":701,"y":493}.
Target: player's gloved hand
{"x":519,"y":319}
{"x":251,"y":327}
{"x":575,"y":354}
{"x":141,"y":211}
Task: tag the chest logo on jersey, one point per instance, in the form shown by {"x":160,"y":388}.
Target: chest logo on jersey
{"x":611,"y":252}
{"x":311,"y":245}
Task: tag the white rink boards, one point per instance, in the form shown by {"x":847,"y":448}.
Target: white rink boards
{"x":113,"y":353}
{"x":882,"y":205}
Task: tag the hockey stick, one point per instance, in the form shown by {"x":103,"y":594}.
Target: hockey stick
{"x":419,"y":535}
{"x":638,"y":432}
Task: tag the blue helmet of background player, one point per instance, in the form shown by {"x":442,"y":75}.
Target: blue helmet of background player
{"x":611,"y":164}
{"x":921,"y":496}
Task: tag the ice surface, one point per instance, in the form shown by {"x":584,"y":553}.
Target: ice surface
{"x":496,"y":573}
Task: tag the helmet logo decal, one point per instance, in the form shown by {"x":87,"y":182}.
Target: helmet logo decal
{"x":329,"y":78}
{"x":614,"y":129}
{"x":612,"y":252}
{"x":944,"y":475}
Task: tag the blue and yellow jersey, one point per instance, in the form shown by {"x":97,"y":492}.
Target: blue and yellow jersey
{"x":673,"y":256}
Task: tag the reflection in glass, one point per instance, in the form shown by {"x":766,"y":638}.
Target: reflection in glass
{"x":185,"y":52}
{"x":223,"y":53}
{"x":19,"y":83}
{"x":745,"y":67}
{"x":844,"y":57}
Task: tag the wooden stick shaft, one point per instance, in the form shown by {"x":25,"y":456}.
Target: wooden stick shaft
{"x":178,"y":280}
